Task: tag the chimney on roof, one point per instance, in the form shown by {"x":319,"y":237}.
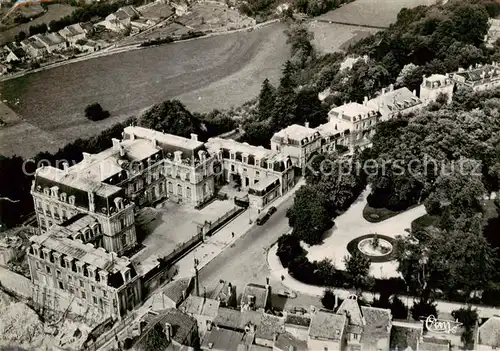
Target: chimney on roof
{"x":91,"y":201}
{"x":194,"y":137}
{"x":168,"y":331}
{"x":116,"y":144}
{"x":86,"y":156}
{"x":365,"y":101}
{"x":415,"y":92}
{"x":153,"y":141}
{"x":307,"y":124}
{"x":391,"y":87}
{"x":229,"y":289}
{"x":132,"y":136}
{"x":177,"y":156}
{"x":383,"y":91}
{"x":65,"y":167}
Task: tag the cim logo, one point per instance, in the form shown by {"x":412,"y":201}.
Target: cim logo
{"x":442,"y":327}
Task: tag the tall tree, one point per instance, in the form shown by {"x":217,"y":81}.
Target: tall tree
{"x":266,"y":100}
{"x":357,"y":269}
{"x":308,"y":215}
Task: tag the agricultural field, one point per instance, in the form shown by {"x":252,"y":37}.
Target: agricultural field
{"x":54,"y":12}
{"x":206,"y":73}
{"x":334,"y":37}
{"x":379,"y":13}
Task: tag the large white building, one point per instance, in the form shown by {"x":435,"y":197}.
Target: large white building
{"x":435,"y":85}
{"x":478,"y":78}
{"x":394,"y":102}
{"x":266,"y":174}
{"x":300,"y":142}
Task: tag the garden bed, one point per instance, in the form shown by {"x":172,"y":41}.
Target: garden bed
{"x":376,"y":215}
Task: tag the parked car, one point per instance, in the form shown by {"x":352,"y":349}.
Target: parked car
{"x":271,"y":210}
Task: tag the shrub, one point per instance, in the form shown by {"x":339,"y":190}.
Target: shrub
{"x":423,"y":309}
{"x":94,"y":112}
{"x":328,"y":299}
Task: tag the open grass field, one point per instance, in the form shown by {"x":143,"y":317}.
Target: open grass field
{"x":54,"y":12}
{"x":224,"y":70}
{"x":380,"y":13}
{"x":334,"y":37}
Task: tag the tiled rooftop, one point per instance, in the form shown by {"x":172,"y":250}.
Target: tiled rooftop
{"x":200,"y":306}
{"x":378,"y":324}
{"x":351,"y":309}
{"x":403,"y":337}
{"x":260,"y":152}
{"x":222,"y":339}
{"x":162,"y":138}
{"x":327,"y":325}
{"x":259,"y":292}
{"x":489,"y":332}
{"x":295,"y":132}
{"x":59,"y":239}
{"x":474,"y":74}
{"x":286,"y":342}
{"x":394,"y":100}
{"x":351,"y":109}
{"x":182,"y":324}
{"x":77,"y":181}
{"x":174,"y":290}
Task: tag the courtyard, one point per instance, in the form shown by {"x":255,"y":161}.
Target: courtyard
{"x":163,"y":229}
{"x":351,"y":225}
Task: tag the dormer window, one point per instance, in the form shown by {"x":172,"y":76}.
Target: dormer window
{"x":63,"y":197}
{"x":71,"y":200}
{"x":46,"y":191}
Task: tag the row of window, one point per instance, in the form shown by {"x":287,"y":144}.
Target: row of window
{"x":51,"y":210}
{"x":70,"y":281}
{"x":54,"y":192}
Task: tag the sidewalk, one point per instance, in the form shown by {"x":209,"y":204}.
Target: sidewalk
{"x":223,"y":238}
{"x":277,"y":270}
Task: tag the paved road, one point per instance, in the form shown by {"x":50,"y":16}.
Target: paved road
{"x":245,"y":261}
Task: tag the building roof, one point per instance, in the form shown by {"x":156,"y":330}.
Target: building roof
{"x":264,"y":182}
{"x":235,"y":319}
{"x":215,"y":144}
{"x":334,"y":127}
{"x":377,"y":324}
{"x":176,"y":289}
{"x":327,"y":325}
{"x":130,"y":10}
{"x":108,"y":163}
{"x":266,"y":325}
{"x":436,"y":78}
{"x":394,"y":101}
{"x":404,"y":336}
{"x":182,"y":324}
{"x":59,"y":240}
{"x":350,"y":308}
{"x":50,"y":39}
{"x":434,"y":344}
{"x":222,"y":339}
{"x":287,"y":342}
{"x":79,"y":222}
{"x":350,"y":110}
{"x":296,"y":133}
{"x":72,"y":30}
{"x":475,"y":74}
{"x":221,"y":292}
{"x":489,"y":332}
{"x":163,"y":139}
{"x":33,"y":42}
{"x":295,"y":319}
{"x":77,"y":181}
{"x":260,"y":294}
{"x":200,"y":306}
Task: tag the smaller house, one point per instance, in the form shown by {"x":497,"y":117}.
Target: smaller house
{"x":33,"y":47}
{"x":52,"y":41}
{"x":256,"y":297}
{"x":405,"y":336}
{"x":391,"y":103}
{"x":171,"y":329}
{"x":121,"y":19}
{"x":173,"y":294}
{"x":202,"y":309}
{"x":14,"y":52}
{"x":327,"y":331}
{"x":223,"y":340}
{"x":73,"y":33}
{"x":488,"y":334}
